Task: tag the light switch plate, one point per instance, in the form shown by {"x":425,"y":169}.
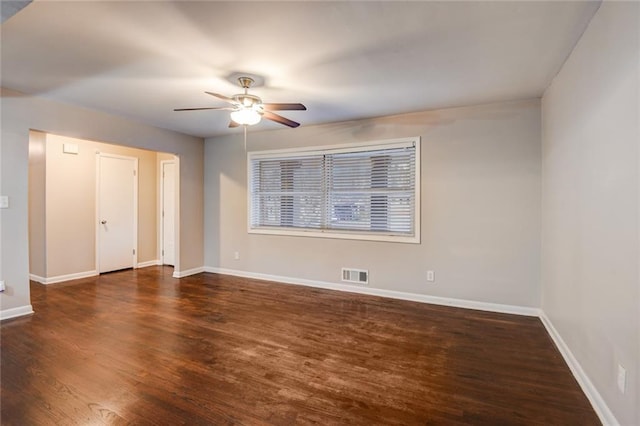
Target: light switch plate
{"x":622,"y":378}
{"x":4,"y":201}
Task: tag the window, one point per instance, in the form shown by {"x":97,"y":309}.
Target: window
{"x":365,"y":191}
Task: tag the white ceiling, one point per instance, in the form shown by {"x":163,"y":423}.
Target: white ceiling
{"x":343,"y":60}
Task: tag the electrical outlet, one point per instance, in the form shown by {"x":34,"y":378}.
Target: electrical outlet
{"x":431,"y":276}
{"x":4,"y":201}
{"x":236,"y":255}
{"x":2,"y":286}
{"x":622,"y":378}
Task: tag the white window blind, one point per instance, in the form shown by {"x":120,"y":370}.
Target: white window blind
{"x":355,"y":191}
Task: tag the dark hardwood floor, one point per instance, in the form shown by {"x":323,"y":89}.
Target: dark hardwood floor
{"x":140,"y":347}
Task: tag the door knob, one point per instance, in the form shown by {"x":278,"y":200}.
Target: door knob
{"x":104,"y":222}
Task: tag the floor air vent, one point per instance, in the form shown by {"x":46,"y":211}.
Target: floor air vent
{"x":359,"y":276}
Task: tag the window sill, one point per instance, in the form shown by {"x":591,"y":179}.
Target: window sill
{"x":342,"y":235}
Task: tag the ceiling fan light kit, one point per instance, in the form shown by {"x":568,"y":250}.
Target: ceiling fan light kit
{"x":246,"y":116}
{"x":248,"y":109}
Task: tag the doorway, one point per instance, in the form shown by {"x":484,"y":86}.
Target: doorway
{"x":117,"y":212}
{"x":168,"y":212}
{"x":64,"y":207}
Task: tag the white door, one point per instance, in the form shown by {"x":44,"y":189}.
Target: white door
{"x":168,"y":212}
{"x":117,"y":212}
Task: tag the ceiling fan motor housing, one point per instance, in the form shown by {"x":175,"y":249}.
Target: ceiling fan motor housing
{"x":245,"y":100}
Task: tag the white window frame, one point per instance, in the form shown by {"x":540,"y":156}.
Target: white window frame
{"x":334,"y":149}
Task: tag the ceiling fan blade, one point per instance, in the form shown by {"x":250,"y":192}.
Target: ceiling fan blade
{"x":279,"y":119}
{"x":223,"y":97}
{"x":198,"y":109}
{"x":233,"y":124}
{"x":283,"y":107}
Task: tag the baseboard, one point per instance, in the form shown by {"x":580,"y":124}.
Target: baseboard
{"x":37,"y":278}
{"x":155,"y":262}
{"x":599,"y":405}
{"x":16,"y":312}
{"x":186,"y":273}
{"x":459,"y":303}
{"x":62,"y":278}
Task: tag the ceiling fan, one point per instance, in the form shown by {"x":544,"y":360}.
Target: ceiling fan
{"x":249,"y":109}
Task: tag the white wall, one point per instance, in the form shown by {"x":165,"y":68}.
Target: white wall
{"x":480,"y":207}
{"x":590,"y":286}
{"x":20,"y":113}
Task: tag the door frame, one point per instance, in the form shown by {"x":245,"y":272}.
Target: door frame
{"x":175,"y":209}
{"x":176,"y":229}
{"x":99,"y":155}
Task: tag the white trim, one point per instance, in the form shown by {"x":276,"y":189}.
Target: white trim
{"x":341,"y":235}
{"x":182,"y":274}
{"x":97,"y":214}
{"x":136,"y":200}
{"x":413,"y":297}
{"x":344,"y":147}
{"x":161,"y":209}
{"x":37,"y":278}
{"x":16,"y":312}
{"x":417,"y":197}
{"x":598,"y":404}
{"x":177,"y":219}
{"x":62,"y":278}
{"x":154,"y":262}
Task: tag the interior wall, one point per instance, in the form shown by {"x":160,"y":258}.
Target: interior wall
{"x":37,"y":199}
{"x":20,"y":113}
{"x":71,"y":181}
{"x":480,"y":183}
{"x":590,"y":283}
{"x":14,"y":176}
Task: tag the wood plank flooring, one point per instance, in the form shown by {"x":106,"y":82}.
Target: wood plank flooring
{"x":140,"y":347}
